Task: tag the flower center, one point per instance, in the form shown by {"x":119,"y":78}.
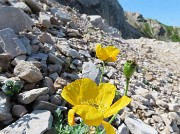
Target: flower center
{"x":98,"y":106}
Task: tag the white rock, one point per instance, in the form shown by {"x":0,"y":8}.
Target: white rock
{"x":37,"y":122}
{"x":29,"y":96}
{"x":44,"y":20}
{"x":137,"y":126}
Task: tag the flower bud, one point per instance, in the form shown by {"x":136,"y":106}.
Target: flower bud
{"x":129,"y":68}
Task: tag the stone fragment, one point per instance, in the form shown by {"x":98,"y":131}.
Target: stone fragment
{"x":45,"y":20}
{"x":36,"y":122}
{"x":65,"y":49}
{"x":137,"y":126}
{"x":5,"y":60}
{"x":43,"y":98}
{"x":54,"y":59}
{"x":35,"y":6}
{"x":122,"y":129}
{"x":14,"y":19}
{"x":174,"y":107}
{"x":91,"y":71}
{"x":5,"y":108}
{"x":45,"y":38}
{"x":26,"y":42}
{"x":17,"y":59}
{"x":60,"y":83}
{"x":28,"y":71}
{"x":173,"y":116}
{"x":29,"y":96}
{"x":48,"y":82}
{"x":43,"y":105}
{"x":9,"y":43}
{"x":55,"y":99}
{"x":19,"y":110}
{"x":61,"y":15}
{"x":54,"y":76}
{"x":85,"y":53}
{"x":40,"y":56}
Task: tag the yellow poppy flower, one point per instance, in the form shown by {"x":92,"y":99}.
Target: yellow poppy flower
{"x":108,"y":54}
{"x":93,"y":103}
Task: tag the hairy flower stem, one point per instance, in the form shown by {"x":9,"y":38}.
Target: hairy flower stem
{"x":102,"y":72}
{"x":127,"y":86}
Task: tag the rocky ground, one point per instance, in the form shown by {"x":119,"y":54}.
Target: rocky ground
{"x":46,"y":45}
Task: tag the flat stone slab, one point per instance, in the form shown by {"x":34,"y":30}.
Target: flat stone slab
{"x":37,"y":122}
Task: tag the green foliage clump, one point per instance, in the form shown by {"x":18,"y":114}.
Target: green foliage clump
{"x":63,"y":128}
{"x":147,"y":30}
{"x":11,"y":87}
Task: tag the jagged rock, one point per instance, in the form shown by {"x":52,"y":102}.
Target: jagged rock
{"x":97,"y":21}
{"x":45,"y":20}
{"x":5,"y":106}
{"x":28,"y":71}
{"x":10,"y":18}
{"x":46,"y":38}
{"x":36,"y":122}
{"x":65,"y":49}
{"x":19,"y":110}
{"x":43,"y":105}
{"x":26,"y":42}
{"x":29,"y":96}
{"x":63,"y":16}
{"x":9,"y":43}
{"x":5,"y":60}
{"x":91,"y":71}
{"x":136,"y":126}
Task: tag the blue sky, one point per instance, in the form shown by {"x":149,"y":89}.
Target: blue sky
{"x":165,"y":11}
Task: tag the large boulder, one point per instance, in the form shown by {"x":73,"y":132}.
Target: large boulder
{"x":15,"y":19}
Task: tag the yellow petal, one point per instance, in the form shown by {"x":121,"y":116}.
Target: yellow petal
{"x":101,"y":53}
{"x":108,"y":127}
{"x":112,"y":53}
{"x":71,"y":120}
{"x":105,"y":96}
{"x":121,"y":103}
{"x":90,"y":115}
{"x":80,"y":91}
